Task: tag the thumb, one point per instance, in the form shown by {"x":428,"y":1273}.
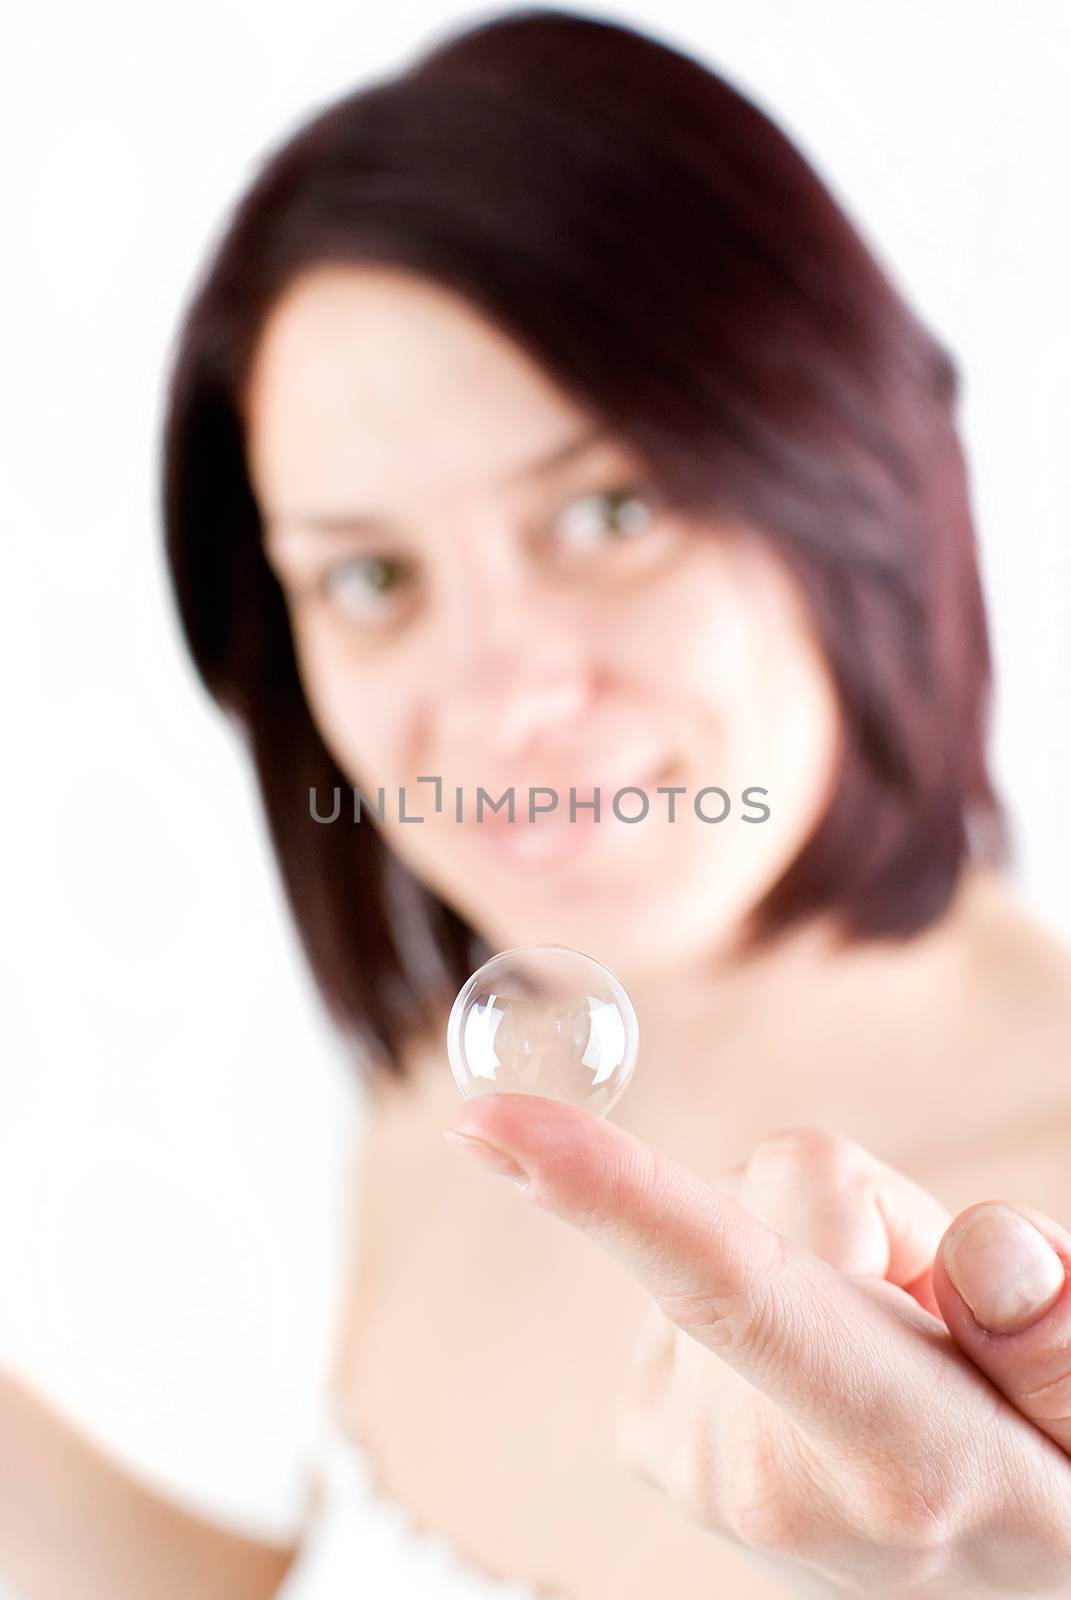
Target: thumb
{"x":1000,"y":1280}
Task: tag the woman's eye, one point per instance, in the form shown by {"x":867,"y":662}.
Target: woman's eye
{"x":610,"y":516}
{"x":366,"y":586}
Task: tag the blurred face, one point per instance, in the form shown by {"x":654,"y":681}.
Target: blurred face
{"x":484,"y":589}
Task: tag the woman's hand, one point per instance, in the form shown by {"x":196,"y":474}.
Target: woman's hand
{"x":848,"y":1433}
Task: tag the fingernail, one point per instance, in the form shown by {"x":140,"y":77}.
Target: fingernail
{"x":493,"y":1158}
{"x":1006,"y":1271}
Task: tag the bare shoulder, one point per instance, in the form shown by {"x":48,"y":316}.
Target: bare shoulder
{"x":1010,"y":1043}
{"x":1019,"y":967}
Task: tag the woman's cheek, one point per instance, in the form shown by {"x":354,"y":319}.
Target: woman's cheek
{"x":353,"y":719}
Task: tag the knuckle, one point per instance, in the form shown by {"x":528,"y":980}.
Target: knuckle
{"x":652,"y":1357}
{"x":632,"y":1440}
{"x":764,"y":1512}
{"x":780,"y":1503}
{"x":911,"y":1512}
{"x":1048,"y":1402}
{"x":750,"y":1318}
{"x":645,"y":1393}
{"x":913,"y":1521}
{"x":757,"y":1323}
{"x":807,"y":1147}
{"x":715,"y":1320}
{"x":724,"y":1321}
{"x":689,"y":1474}
{"x":771,"y":1526}
{"x":680,"y":1462}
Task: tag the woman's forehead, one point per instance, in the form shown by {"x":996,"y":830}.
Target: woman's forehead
{"x":363,"y":376}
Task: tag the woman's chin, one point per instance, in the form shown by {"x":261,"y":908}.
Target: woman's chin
{"x":639,"y":902}
{"x":634,"y":934}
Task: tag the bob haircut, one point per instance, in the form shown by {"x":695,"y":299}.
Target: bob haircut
{"x":666,"y":255}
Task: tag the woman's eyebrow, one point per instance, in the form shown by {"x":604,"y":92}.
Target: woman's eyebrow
{"x":364,"y":522}
{"x":326,"y":522}
{"x":560,"y":455}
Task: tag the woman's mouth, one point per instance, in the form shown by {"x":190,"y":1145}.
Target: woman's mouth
{"x":554,"y":826}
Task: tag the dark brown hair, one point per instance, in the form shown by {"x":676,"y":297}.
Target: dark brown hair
{"x":672,"y":261}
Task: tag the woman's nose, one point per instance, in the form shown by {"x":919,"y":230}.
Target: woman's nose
{"x":512,"y":713}
{"x":515,"y":688}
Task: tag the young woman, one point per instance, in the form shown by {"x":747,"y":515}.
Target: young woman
{"x":541,"y":422}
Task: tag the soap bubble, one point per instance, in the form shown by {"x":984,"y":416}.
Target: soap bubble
{"x":543,"y":1020}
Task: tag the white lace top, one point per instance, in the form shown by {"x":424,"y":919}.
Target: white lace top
{"x":362,"y":1542}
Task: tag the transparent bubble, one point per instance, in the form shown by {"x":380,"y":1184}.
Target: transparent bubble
{"x":544,"y":1020}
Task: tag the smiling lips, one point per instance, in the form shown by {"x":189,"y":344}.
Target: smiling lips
{"x":552,"y":836}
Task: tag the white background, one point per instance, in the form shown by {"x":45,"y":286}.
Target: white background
{"x":174,"y":1115}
